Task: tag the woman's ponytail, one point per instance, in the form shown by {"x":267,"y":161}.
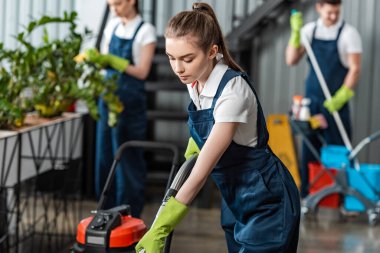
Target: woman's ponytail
{"x":202,"y":23}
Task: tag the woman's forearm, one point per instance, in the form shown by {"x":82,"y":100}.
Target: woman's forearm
{"x":218,"y":141}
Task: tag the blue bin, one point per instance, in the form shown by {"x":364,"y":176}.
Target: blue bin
{"x":335,"y":156}
{"x":367,"y":182}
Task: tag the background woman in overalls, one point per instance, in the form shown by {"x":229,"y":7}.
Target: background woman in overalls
{"x":128,"y":53}
{"x":260,"y":201}
{"x":337,"y":47}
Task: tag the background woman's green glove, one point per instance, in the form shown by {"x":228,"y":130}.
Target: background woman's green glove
{"x":117,"y":63}
{"x":340,"y":98}
{"x":192,"y":148}
{"x":154,"y":240}
{"x":296,"y":23}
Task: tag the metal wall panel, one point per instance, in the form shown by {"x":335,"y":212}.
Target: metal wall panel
{"x":278,"y":83}
{"x":9,"y":26}
{"x":223,"y":10}
{"x":16,"y":14}
{"x":374,"y":113}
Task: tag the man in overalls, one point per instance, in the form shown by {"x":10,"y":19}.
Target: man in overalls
{"x":337,"y":47}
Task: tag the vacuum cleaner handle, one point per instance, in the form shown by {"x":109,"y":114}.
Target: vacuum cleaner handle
{"x":178,"y":181}
{"x":183,"y":172}
{"x":362,"y":144}
{"x":147,"y":145}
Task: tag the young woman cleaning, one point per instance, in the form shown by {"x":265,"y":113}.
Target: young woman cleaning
{"x":260,"y":201}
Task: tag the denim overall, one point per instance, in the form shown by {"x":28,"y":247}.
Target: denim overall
{"x":260,"y":202}
{"x":327,"y":55}
{"x":129,"y":180}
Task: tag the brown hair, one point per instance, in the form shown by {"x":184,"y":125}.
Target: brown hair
{"x":202,"y":23}
{"x":137,"y":6}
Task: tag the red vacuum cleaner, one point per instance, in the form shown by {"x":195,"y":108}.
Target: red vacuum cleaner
{"x":115,"y":230}
{"x":112,"y":230}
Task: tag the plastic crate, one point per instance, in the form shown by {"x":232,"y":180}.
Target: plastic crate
{"x":334,"y":156}
{"x":367,"y":182}
{"x":319,"y":178}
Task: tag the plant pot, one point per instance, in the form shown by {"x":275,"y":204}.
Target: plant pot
{"x":12,"y":121}
{"x":54,"y":109}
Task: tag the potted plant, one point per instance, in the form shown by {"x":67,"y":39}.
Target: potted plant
{"x":12,"y":104}
{"x":52,"y":76}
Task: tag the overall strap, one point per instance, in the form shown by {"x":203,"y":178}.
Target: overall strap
{"x":340,"y":31}
{"x":228,"y":75}
{"x":262,"y":132}
{"x":314,"y":31}
{"x":116,"y":26}
{"x":138,"y":28}
{"x":134,"y":35}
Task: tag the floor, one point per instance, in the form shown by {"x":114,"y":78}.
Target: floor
{"x":200,"y":230}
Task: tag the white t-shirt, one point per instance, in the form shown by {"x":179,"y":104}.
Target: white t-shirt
{"x":237,"y":103}
{"x":146,"y":35}
{"x":349,"y":41}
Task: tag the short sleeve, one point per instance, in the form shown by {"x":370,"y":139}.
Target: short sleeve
{"x":148,"y":34}
{"x":351,"y":40}
{"x":236,"y":102}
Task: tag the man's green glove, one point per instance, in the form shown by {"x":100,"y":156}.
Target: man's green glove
{"x":340,"y":98}
{"x":154,"y":240}
{"x":117,"y":63}
{"x":192,"y":148}
{"x":296,"y":23}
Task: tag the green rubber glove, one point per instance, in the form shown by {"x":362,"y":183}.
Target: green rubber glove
{"x":340,"y":98}
{"x":117,"y":63}
{"x":192,"y":148}
{"x":154,"y":240}
{"x":296,"y":23}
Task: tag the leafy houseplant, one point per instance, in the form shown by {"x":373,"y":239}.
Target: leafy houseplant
{"x":12,"y":105}
{"x":10,"y":112}
{"x":50,"y":72}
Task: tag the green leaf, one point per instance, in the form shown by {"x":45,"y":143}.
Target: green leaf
{"x":45,"y":37}
{"x":31,"y":26}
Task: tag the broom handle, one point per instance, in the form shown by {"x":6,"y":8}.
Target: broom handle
{"x":326,"y":92}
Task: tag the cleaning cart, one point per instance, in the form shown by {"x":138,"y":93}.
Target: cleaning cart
{"x":358,"y":183}
{"x":114,"y":230}
{"x":319,"y":175}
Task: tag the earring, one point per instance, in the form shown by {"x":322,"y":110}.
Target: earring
{"x":219,"y":56}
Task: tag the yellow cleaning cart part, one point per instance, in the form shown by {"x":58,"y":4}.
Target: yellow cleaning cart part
{"x":281,"y":143}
